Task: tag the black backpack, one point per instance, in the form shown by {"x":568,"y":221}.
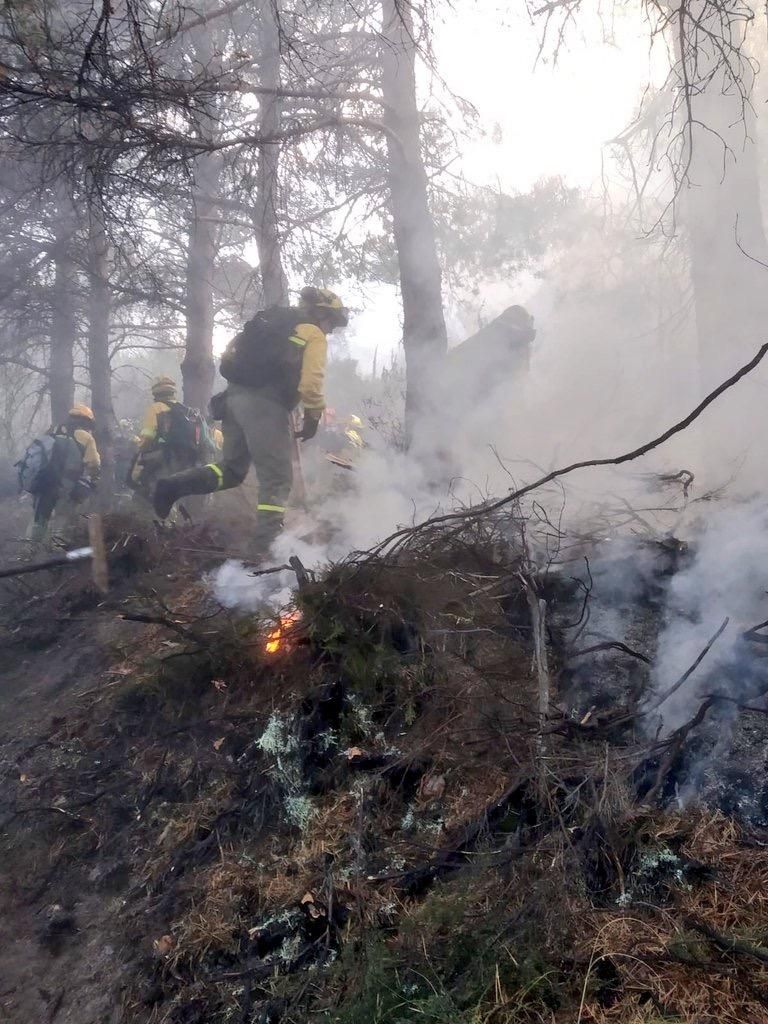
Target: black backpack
{"x":184,"y":432}
{"x":263,"y":355}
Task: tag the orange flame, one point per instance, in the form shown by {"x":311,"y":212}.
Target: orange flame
{"x":279,"y":637}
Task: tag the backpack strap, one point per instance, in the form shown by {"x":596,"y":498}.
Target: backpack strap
{"x":63,"y":431}
{"x":163,"y":424}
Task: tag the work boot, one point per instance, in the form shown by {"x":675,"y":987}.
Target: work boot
{"x":269,"y":526}
{"x":168,"y":490}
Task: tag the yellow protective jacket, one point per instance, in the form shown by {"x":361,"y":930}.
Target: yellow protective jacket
{"x":91,"y":457}
{"x":312,"y":382}
{"x":150,"y":425}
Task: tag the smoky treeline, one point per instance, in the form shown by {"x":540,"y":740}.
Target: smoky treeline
{"x":167,"y":168}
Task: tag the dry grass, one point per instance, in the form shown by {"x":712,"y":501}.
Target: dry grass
{"x":218,"y":915}
{"x":184,"y":826}
{"x":664,"y":961}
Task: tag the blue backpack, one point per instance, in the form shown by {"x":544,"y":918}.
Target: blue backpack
{"x":47,"y":460}
{"x":32,"y":467}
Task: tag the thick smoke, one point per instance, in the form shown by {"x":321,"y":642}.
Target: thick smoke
{"x":613,"y":364}
{"x":727,"y":578}
{"x":389,"y":490}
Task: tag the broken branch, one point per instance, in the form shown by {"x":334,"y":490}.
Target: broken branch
{"x":59,"y":562}
{"x":610,"y":645}
{"x":402,"y":535}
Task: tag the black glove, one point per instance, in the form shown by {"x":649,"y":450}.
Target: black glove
{"x":310,"y":425}
{"x":82,"y":489}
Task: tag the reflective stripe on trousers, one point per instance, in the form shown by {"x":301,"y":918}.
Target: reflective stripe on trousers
{"x":219,"y":474}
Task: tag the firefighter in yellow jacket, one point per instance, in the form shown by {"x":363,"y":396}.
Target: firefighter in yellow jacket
{"x":71,"y":475}
{"x":158,"y":455}
{"x":275,"y":362}
{"x":163,"y":396}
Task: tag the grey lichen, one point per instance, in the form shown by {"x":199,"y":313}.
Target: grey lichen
{"x":361,"y":714}
{"x":300,"y":811}
{"x":280,"y":742}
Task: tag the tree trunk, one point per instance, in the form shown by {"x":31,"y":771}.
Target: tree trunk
{"x":721,"y":212}
{"x":197,"y":369}
{"x":99,"y":366}
{"x":424,"y":334}
{"x":274,"y":283}
{"x":63,"y":329}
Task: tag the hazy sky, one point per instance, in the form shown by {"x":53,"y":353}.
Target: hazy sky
{"x":536,"y":119}
{"x":554,"y":117}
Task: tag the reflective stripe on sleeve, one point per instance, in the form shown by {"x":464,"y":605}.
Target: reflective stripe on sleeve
{"x":297,"y":341}
{"x":270,"y":508}
{"x":219,"y":474}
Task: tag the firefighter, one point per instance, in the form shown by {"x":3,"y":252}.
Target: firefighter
{"x":165,"y":442}
{"x":277,"y":361}
{"x":71,"y":474}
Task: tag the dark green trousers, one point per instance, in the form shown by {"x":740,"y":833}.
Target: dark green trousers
{"x":258,"y":431}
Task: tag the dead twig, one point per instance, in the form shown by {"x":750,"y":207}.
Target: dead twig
{"x":755,"y":635}
{"x":302,"y":576}
{"x":538,"y":610}
{"x":419,"y":879}
{"x":727,"y":943}
{"x":161,"y":620}
{"x":610,"y":645}
{"x":674,"y":747}
{"x":689,"y":671}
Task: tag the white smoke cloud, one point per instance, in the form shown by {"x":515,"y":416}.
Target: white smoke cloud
{"x":388,"y":490}
{"x":235,"y":586}
{"x":613,"y":365}
{"x":728,"y":577}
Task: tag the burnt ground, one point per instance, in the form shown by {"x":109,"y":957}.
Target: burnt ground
{"x":64,"y":649}
{"x":371,"y":824}
{"x":58,"y":648}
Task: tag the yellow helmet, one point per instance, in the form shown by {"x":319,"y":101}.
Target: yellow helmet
{"x":163,"y":386}
{"x":82,"y":412}
{"x":354,"y":421}
{"x":326,"y":302}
